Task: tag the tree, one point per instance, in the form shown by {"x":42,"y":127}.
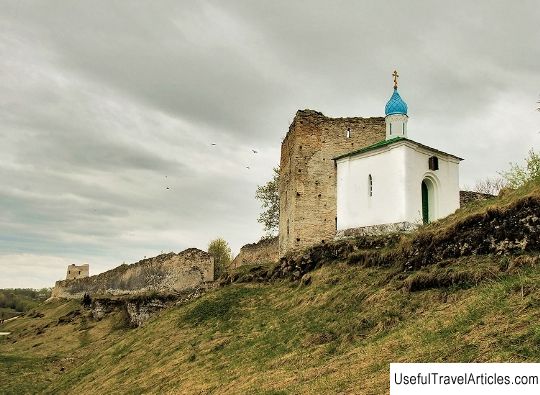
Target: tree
{"x":518,"y":175}
{"x":221,"y":252}
{"x":491,"y":186}
{"x":268,"y":195}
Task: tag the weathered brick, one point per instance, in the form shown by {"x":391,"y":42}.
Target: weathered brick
{"x":264,"y":251}
{"x":307,"y":186}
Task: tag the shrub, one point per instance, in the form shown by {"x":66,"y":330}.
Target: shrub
{"x":221,"y":252}
{"x":518,"y":175}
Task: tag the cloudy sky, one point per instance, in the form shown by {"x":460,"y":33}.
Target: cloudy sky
{"x":105,"y":104}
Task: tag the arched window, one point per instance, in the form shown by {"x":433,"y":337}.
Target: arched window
{"x":370,"y":185}
{"x":390,"y":127}
{"x":348,"y":134}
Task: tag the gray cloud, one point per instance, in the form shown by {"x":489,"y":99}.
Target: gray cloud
{"x":106,"y":105}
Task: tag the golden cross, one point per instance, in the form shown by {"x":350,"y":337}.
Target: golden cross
{"x":395,"y":75}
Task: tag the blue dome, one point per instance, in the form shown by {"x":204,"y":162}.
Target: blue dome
{"x":395,"y":105}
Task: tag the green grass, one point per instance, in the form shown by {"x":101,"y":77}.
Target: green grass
{"x":22,"y":374}
{"x":337,"y":334}
{"x":506,"y":198}
{"x":220,"y":307}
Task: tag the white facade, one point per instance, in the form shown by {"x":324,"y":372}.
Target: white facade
{"x":394,"y":194}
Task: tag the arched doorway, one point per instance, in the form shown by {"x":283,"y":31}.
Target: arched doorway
{"x":425,"y":203}
{"x":428,"y":200}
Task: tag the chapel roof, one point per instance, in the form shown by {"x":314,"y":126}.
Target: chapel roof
{"x":392,"y":141}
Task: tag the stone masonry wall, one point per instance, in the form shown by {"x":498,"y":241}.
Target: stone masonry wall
{"x":77,"y":271}
{"x":471,"y":196}
{"x":307,"y":187}
{"x":375,"y":230}
{"x":509,"y":230}
{"x":165,"y":274}
{"x":265,"y":251}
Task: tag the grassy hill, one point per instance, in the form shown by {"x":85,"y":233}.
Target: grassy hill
{"x":334,"y":333}
{"x":19,"y":300}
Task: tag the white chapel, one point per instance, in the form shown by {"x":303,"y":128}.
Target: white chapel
{"x":397,"y":183}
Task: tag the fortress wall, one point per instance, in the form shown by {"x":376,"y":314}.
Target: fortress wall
{"x":307,"y":186}
{"x":166,"y":273}
{"x":466,"y":197}
{"x":77,"y":271}
{"x":265,"y":251}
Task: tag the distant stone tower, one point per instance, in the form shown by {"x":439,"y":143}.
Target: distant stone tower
{"x":77,"y":271}
{"x":307,"y":182}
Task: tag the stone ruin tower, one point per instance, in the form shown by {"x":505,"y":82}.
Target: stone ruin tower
{"x":77,"y":271}
{"x":307,"y":179}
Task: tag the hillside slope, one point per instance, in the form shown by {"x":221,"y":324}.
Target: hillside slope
{"x":15,"y":301}
{"x":333,"y":332}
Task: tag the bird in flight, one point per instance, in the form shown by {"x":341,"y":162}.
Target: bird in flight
{"x":213,"y":143}
{"x":254,"y":151}
{"x":247,"y":167}
{"x":167,"y":188}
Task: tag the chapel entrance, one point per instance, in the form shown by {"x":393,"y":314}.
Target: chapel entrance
{"x":425,"y":203}
{"x":429,"y":200}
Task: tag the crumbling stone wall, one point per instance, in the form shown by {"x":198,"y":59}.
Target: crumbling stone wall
{"x":165,"y":273}
{"x":374,"y":230}
{"x":307,"y":187}
{"x":77,"y":271}
{"x":470,"y":196}
{"x":512,"y":230}
{"x":140,"y":308}
{"x":265,"y":251}
{"x":500,"y":230}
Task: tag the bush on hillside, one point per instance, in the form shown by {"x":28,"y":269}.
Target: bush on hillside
{"x":220,"y":250}
{"x":519,"y":175}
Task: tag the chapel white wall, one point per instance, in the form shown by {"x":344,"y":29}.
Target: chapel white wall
{"x":397,"y":174}
{"x":446,"y":180}
{"x":355,"y":208}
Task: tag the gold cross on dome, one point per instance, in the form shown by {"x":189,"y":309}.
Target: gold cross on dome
{"x":395,"y":75}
